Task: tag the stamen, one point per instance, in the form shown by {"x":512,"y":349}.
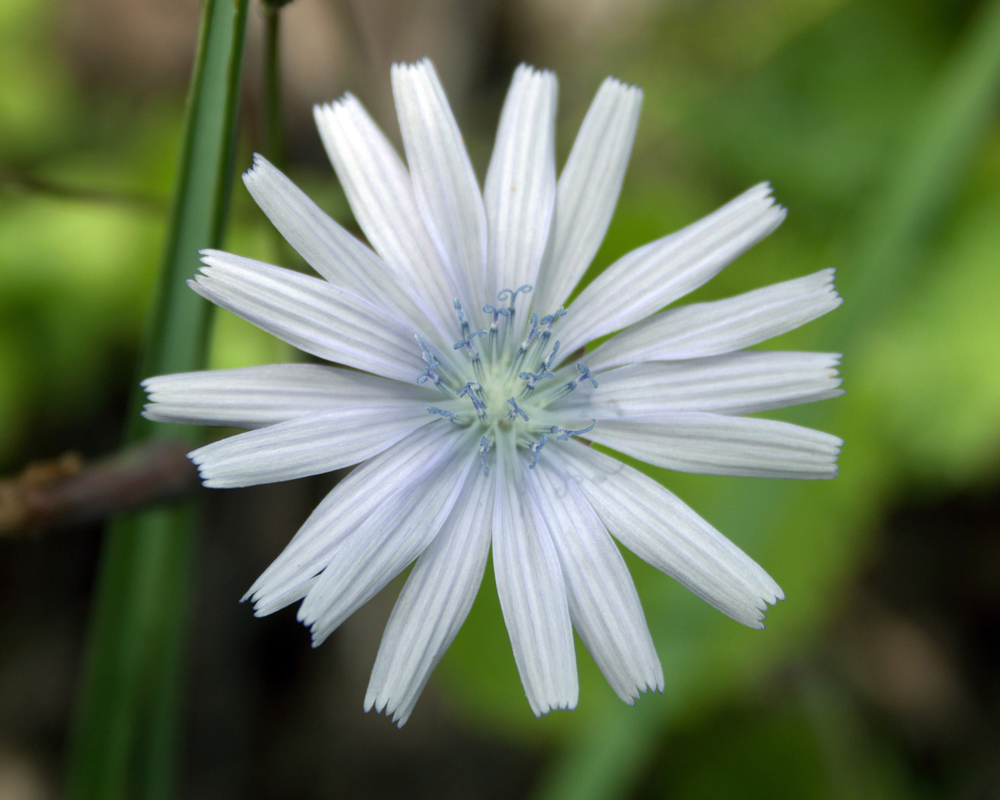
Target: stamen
{"x":484,"y":448}
{"x":536,"y":449}
{"x":547,"y":364}
{"x":562,"y":434}
{"x":471,"y":389}
{"x":532,"y":378}
{"x":496,"y":311}
{"x":551,"y":319}
{"x":585,"y":375}
{"x":522,"y":351}
{"x":526,"y":289}
{"x":468,"y":345}
{"x":533,"y":362}
{"x":516,"y":412}
{"x":531,"y":333}
{"x":426,"y":353}
{"x":462,"y":320}
{"x":507,"y":328}
{"x":430,"y":374}
{"x":569,"y":386}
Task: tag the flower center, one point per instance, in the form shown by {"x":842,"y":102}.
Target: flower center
{"x":503,"y":380}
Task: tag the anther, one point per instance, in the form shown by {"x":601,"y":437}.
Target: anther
{"x":462,"y":320}
{"x":446,"y":414}
{"x":531,"y":378}
{"x":484,"y":448}
{"x":562,"y":434}
{"x":430,"y":373}
{"x":532,"y":333}
{"x":471,"y":389}
{"x":547,"y":364}
{"x":535,"y":449}
{"x":515,"y":410}
{"x":426,"y":353}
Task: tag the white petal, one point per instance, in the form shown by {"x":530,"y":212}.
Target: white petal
{"x":434,"y":603}
{"x":356,"y":506}
{"x":254,"y":397}
{"x":660,"y":529}
{"x":532,"y":592}
{"x":714,"y":444}
{"x":647,"y":279}
{"x":604,"y":605}
{"x":330,"y":250}
{"x":738,"y":383}
{"x":371,"y":556}
{"x":588,"y":191}
{"x":721,"y":326}
{"x":521,"y":181}
{"x":380,"y":192}
{"x":443,"y":179}
{"x":310,"y":314}
{"x":309,"y":445}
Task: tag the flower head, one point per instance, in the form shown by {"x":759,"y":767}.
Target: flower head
{"x":470,"y":403}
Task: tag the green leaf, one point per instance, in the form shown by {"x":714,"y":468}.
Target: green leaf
{"x":125,"y":737}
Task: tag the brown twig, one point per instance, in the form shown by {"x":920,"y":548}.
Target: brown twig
{"x":66,"y":491}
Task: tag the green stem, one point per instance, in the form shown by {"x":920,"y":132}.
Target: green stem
{"x":124,"y":740}
{"x":274,"y":145}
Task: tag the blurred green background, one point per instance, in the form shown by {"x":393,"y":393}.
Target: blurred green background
{"x":875,"y":120}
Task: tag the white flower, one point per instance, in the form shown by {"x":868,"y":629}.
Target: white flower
{"x":468,"y":387}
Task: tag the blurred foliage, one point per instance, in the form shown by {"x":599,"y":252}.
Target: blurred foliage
{"x":821,"y":97}
{"x":76,"y":274}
